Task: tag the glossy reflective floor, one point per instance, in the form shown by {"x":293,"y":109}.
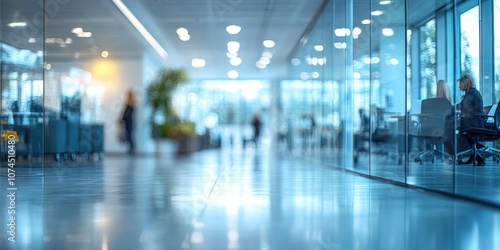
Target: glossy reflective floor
{"x":233,"y":199}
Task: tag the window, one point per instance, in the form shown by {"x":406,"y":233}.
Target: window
{"x":428,"y":59}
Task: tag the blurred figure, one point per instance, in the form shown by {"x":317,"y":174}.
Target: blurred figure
{"x":442,"y":90}
{"x":15,"y":113}
{"x":363,"y":134}
{"x":128,"y":121}
{"x":471,"y":109}
{"x":307,"y":129}
{"x":257,"y":125}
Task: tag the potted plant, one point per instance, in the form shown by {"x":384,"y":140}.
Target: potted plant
{"x":164,"y":121}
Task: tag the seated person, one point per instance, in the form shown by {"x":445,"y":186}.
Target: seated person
{"x":471,"y":112}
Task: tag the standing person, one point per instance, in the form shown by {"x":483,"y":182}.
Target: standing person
{"x":471,"y":109}
{"x":257,"y":125}
{"x":128,"y":121}
{"x":442,"y":90}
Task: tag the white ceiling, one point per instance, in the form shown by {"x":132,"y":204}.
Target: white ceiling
{"x":285,"y":22}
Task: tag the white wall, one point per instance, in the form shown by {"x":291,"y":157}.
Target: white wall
{"x":115,"y":78}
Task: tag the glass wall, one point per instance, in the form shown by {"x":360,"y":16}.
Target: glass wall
{"x":21,"y":45}
{"x":394,"y":65}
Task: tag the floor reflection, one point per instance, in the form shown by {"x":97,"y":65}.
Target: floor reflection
{"x":235,"y":200}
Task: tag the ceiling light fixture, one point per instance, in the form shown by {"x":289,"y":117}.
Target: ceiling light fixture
{"x":260,"y":65}
{"x":385,"y":2}
{"x":185,"y":38}
{"x":77,"y":30}
{"x":182,"y":31}
{"x":144,"y":32}
{"x":366,"y":21}
{"x":17,"y":24}
{"x":341,"y":32}
{"x":318,"y":47}
{"x":198,"y":63}
{"x":377,"y":13}
{"x":267,"y":54}
{"x":268,"y":43}
{"x":233,"y":74}
{"x":233,"y":46}
{"x":233,"y":29}
{"x":236,"y":61}
{"x":387,"y":32}
{"x":183,"y":34}
{"x":231,"y":54}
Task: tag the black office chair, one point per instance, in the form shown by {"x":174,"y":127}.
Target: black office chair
{"x":489,"y":133}
{"x":434,"y":124}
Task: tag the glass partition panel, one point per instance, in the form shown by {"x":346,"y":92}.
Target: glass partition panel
{"x":388,"y":89}
{"x":360,"y":85}
{"x":342,"y":154}
{"x":496,"y":51}
{"x":21,"y":43}
{"x":479,"y":55}
{"x":430,"y":128}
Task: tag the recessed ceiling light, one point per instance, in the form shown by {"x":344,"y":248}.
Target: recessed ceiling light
{"x":104,"y":54}
{"x":366,"y":21}
{"x":264,"y":60}
{"x":260,"y":65}
{"x":387,"y":32}
{"x":198,"y":63}
{"x":17,"y":24}
{"x":341,"y":32}
{"x":233,"y":29}
{"x":84,"y":34}
{"x":182,"y":31}
{"x":318,"y":47}
{"x":77,"y":30}
{"x":377,"y":13}
{"x":356,"y":31}
{"x":185,"y":38}
{"x":231,"y":54}
{"x":236,"y":61}
{"x":233,"y":74}
{"x":267,"y":54}
{"x":233,"y":46}
{"x":385,"y":2}
{"x":268,"y":43}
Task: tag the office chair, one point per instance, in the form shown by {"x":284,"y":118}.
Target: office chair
{"x":434,"y":117}
{"x":489,"y":133}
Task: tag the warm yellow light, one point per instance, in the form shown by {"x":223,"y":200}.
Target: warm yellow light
{"x":104,"y":70}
